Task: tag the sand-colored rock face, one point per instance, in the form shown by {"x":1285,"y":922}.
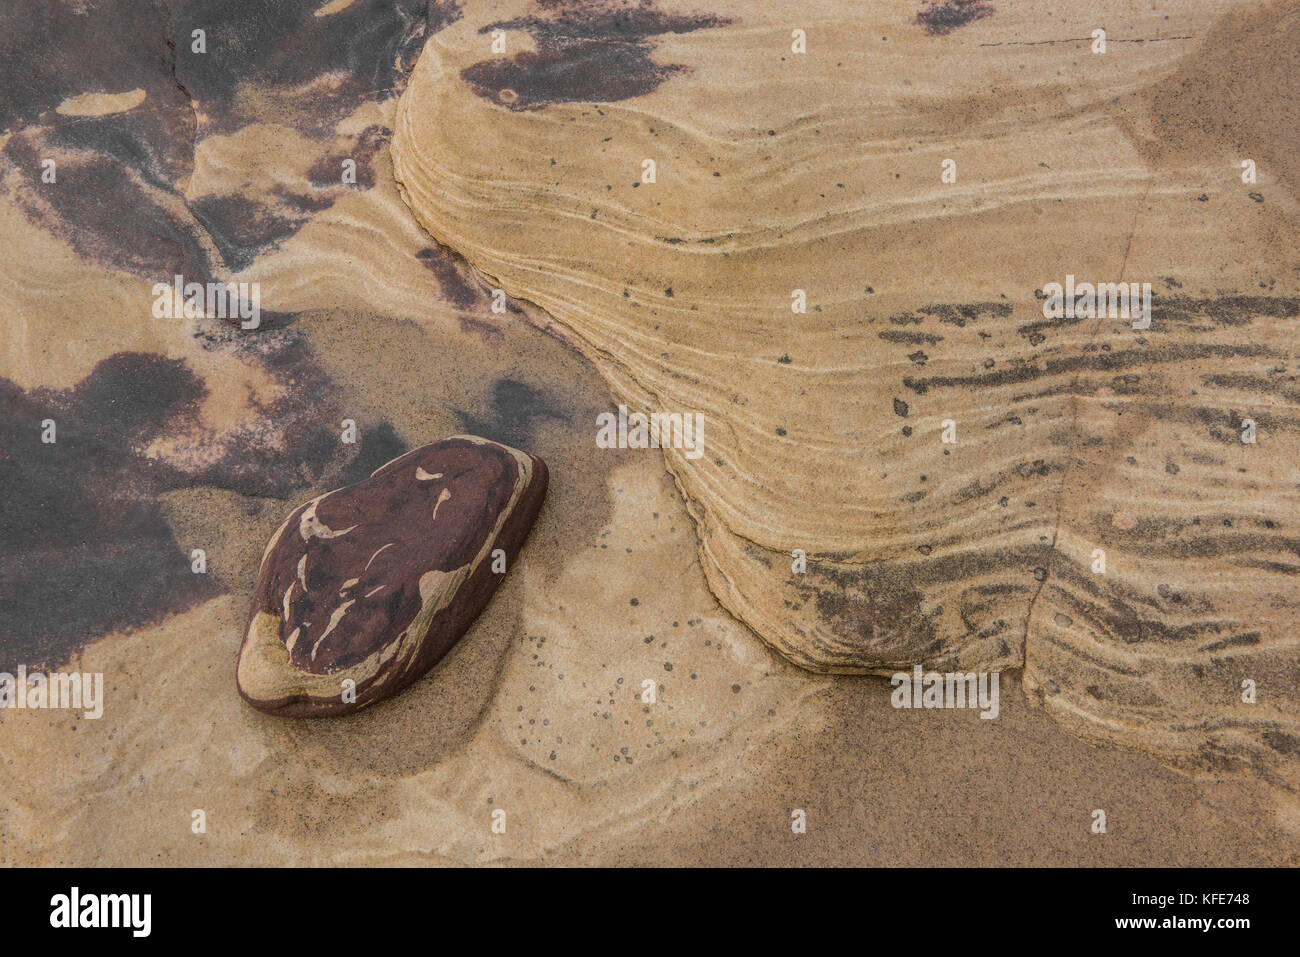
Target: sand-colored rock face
{"x":177,"y":434}
{"x":1079,"y":443}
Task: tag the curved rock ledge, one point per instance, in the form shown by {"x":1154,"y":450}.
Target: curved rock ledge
{"x":780,"y":174}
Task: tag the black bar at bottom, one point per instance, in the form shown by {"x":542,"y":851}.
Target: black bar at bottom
{"x":873,"y":906}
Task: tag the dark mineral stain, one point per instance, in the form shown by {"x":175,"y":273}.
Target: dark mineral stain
{"x":1248,"y":639}
{"x":107,"y":216}
{"x":1232,"y":310}
{"x":585,"y":53}
{"x":442,"y":14}
{"x":953,"y":314}
{"x":449,"y":269}
{"x":515,"y":409}
{"x":1201,"y":107}
{"x":84,"y":547}
{"x":881,"y":605}
{"x":105,"y":200}
{"x":298,"y":440}
{"x":328,"y":171}
{"x":380,"y":444}
{"x":1282,"y":742}
{"x":154,"y":139}
{"x":282,"y":47}
{"x":241,"y":228}
{"x":958,"y":314}
{"x":119,"y":199}
{"x":51,"y":51}
{"x":1024,"y":372}
{"x":909,"y":338}
{"x":940,"y":19}
{"x":1271,"y":385}
{"x":244,"y":224}
{"x":484,"y":330}
{"x":873,"y":608}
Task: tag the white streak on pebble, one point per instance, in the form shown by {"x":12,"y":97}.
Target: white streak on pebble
{"x":333,"y":7}
{"x":335,"y":618}
{"x":443,"y":496}
{"x":372,"y":557}
{"x":309,"y":525}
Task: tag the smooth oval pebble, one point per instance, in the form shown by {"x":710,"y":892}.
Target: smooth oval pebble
{"x":375,"y":582}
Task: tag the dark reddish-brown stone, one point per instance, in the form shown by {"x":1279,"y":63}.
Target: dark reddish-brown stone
{"x":374,"y":583}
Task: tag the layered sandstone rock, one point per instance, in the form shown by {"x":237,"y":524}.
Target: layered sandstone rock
{"x":364,"y":589}
{"x":670,"y":181}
